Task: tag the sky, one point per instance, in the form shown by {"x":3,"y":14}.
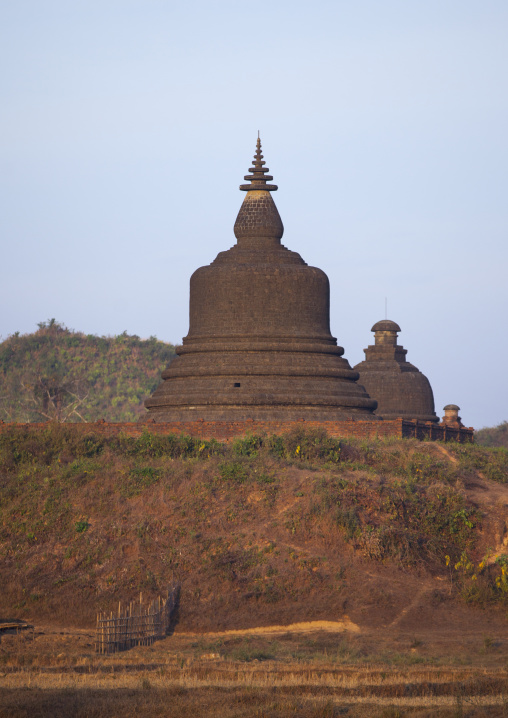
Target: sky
{"x":126,"y":127}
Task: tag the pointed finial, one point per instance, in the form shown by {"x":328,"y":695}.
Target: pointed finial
{"x":258,"y":178}
{"x":258,"y":223}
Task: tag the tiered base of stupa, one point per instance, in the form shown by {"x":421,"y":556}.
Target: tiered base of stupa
{"x":253,"y":412}
{"x":259,"y":379}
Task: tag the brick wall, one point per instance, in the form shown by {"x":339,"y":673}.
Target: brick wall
{"x":226,"y":430}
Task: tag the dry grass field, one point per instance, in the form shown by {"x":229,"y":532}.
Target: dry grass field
{"x":303,"y":670}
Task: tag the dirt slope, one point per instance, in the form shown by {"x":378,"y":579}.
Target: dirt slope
{"x":259,"y":534}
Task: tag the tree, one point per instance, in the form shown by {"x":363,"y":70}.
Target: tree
{"x":62,"y":375}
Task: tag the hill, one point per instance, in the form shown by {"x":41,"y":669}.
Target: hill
{"x":268,"y":530}
{"x":63,"y":375}
{"x":493,"y":436}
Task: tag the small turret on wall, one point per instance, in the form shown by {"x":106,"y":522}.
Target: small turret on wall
{"x":451,"y":417}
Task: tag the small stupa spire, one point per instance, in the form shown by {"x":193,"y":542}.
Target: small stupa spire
{"x":259,"y":176}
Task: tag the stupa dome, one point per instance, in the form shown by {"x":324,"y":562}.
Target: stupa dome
{"x":259,"y":343}
{"x":399,"y":388}
{"x":385,"y":325}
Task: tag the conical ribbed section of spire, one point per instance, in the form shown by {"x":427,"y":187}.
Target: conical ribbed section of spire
{"x":258,"y":218}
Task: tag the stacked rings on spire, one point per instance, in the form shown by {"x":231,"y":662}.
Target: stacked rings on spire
{"x":258,"y":177}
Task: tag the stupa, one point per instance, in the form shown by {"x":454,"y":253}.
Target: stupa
{"x":399,"y":388}
{"x":259,"y":344}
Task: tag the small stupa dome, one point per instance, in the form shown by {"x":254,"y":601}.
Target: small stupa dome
{"x":399,"y":388}
{"x":386,"y":325}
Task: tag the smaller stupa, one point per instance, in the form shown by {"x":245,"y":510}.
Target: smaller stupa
{"x":399,"y":388}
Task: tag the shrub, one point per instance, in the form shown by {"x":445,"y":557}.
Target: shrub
{"x":481,"y":583}
{"x":244,"y":653}
{"x":171,"y":445}
{"x":233,"y":472}
{"x":139,"y":479}
{"x":44,"y":446}
{"x":491,"y":462}
{"x":347,"y":519}
{"x":247,"y":445}
{"x":307,"y":445}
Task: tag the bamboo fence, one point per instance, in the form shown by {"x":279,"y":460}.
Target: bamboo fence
{"x":135,"y":624}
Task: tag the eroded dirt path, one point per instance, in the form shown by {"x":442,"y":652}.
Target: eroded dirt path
{"x":428,"y":587}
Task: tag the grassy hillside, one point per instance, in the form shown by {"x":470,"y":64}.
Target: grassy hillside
{"x":56,"y":373}
{"x":266,"y":530}
{"x":493,"y":436}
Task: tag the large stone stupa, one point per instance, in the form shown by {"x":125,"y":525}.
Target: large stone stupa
{"x":259,"y":344}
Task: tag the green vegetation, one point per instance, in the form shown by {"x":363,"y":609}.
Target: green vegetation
{"x":492,"y":463}
{"x":493,"y":436}
{"x":481,"y":582}
{"x":266,"y":524}
{"x":58,"y":374}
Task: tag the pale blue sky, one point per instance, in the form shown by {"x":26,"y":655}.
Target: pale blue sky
{"x":126,"y":127}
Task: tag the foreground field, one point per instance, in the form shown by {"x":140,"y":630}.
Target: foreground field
{"x":305,"y":671}
{"x":318,"y":577}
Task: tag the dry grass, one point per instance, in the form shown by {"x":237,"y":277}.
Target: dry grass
{"x":254,"y":703}
{"x":298,"y":690}
{"x":297,"y":673}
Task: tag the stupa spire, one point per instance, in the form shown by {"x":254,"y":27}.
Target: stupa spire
{"x":258,"y":220}
{"x":259,"y":176}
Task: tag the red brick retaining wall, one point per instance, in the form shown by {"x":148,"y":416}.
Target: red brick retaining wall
{"x":226,"y":430}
